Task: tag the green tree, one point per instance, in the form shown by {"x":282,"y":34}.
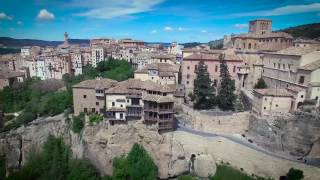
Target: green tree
{"x":137,"y":165}
{"x":295,"y":174}
{"x":226,"y":96}
{"x":203,"y":93}
{"x":261,"y":84}
{"x":78,"y":123}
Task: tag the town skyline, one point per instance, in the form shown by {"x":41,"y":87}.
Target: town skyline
{"x":156,"y":21}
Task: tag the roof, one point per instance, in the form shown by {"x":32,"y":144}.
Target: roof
{"x":96,"y":84}
{"x":312,"y":66}
{"x":162,"y":56}
{"x":115,"y":109}
{"x":157,"y":98}
{"x":161,"y":67}
{"x":274,"y":92}
{"x":295,"y":89}
{"x":212,"y":57}
{"x":294,"y":51}
{"x":267,"y":35}
{"x":5,"y":74}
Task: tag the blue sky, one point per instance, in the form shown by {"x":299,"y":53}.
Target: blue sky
{"x":149,"y":20}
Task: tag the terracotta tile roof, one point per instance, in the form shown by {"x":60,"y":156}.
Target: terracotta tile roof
{"x":161,"y":67}
{"x":5,"y":74}
{"x":96,"y":84}
{"x":312,"y":66}
{"x":157,"y":98}
{"x":274,"y":92}
{"x":212,"y":57}
{"x":296,"y":89}
{"x":294,"y":51}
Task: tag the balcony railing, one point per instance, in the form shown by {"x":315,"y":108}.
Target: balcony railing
{"x":150,"y":118}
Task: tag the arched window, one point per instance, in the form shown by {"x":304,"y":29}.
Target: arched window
{"x":249,"y":46}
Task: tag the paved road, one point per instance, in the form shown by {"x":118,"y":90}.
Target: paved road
{"x":236,"y":139}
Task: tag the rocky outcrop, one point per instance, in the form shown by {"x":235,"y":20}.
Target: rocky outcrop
{"x":204,"y":166}
{"x":289,"y":134}
{"x":97,"y":143}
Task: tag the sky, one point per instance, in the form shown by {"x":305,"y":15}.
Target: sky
{"x":148,"y":20}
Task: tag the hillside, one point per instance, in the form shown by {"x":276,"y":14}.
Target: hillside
{"x":11,"y":42}
{"x":309,"y":31}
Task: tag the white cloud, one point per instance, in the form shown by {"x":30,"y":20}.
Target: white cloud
{"x":153,"y":31}
{"x":241,"y":26}
{"x":115,"y":8}
{"x":19,"y":22}
{"x":45,"y":15}
{"x":204,"y":31}
{"x":168,"y":28}
{"x":285,"y":10}
{"x":4,"y":16}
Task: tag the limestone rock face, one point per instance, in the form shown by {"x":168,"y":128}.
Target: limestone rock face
{"x":204,"y":166}
{"x":290,"y":134}
{"x":98,"y":143}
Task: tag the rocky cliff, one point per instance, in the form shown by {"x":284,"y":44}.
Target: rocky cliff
{"x":295,"y":134}
{"x":97,"y":143}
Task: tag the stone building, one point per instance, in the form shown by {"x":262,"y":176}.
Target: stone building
{"x":268,"y":101}
{"x":161,"y":73}
{"x":190,"y":63}
{"x":261,"y":37}
{"x":8,"y":77}
{"x":128,"y":100}
{"x":297,"y":67}
{"x":97,"y":55}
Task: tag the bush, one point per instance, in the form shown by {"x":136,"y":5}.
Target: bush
{"x":78,"y":123}
{"x":95,"y":118}
{"x":295,"y":174}
{"x":137,"y":165}
{"x":26,"y":117}
{"x":261,"y":84}
{"x":186,"y":177}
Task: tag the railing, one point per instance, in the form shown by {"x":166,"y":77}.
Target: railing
{"x":149,"y":118}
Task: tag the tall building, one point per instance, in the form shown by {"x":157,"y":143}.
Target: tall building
{"x":97,"y":55}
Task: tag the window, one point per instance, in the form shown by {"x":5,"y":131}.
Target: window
{"x":128,"y":101}
{"x":264,"y":108}
{"x":215,"y":82}
{"x":164,"y":94}
{"x":279,"y":66}
{"x":188,"y":67}
{"x":187,"y":82}
{"x":317,"y":97}
{"x":121,"y":105}
{"x":188,"y":76}
{"x":289,"y":66}
{"x":121,"y":116}
{"x":195,"y":67}
{"x":93,"y":110}
{"x":151,"y":77}
{"x":216,"y":68}
{"x":301,"y":96}
{"x":113,"y":104}
{"x":84,"y":96}
{"x":85,"y":110}
{"x":234,"y":68}
{"x":97,"y":103}
{"x":301,"y":80}
{"x":284,"y":66}
{"x":265,"y":99}
{"x":277,"y":105}
{"x":274,"y":65}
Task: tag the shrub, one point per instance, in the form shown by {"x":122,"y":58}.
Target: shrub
{"x":261,"y":84}
{"x":78,"y":123}
{"x":95,"y":118}
{"x":186,"y":177}
{"x":295,"y":174}
{"x":26,"y":117}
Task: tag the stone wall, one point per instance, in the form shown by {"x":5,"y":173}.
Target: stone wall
{"x":295,"y":134}
{"x":215,"y":121}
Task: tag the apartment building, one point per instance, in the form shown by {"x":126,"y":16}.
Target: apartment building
{"x":128,"y":100}
{"x":77,"y":63}
{"x":161,"y":73}
{"x":296,"y":67}
{"x":97,"y":55}
{"x":89,"y":96}
{"x":261,"y":37}
{"x":8,"y":77}
{"x":190,"y":63}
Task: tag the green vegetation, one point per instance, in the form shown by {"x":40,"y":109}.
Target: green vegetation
{"x":203,"y":93}
{"x":186,"y":177}
{"x":2,"y":167}
{"x":33,"y":98}
{"x":54,"y":162}
{"x":261,"y":84}
{"x":226,"y":97}
{"x":309,"y":31}
{"x":78,"y":123}
{"x":191,"y":44}
{"x":95,"y":118}
{"x":295,"y":174}
{"x":225,"y":172}
{"x":9,"y":50}
{"x":137,"y":165}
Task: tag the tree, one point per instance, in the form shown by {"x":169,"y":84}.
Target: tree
{"x":261,"y":84}
{"x":78,"y":123}
{"x":295,"y":174}
{"x":203,"y":92}
{"x":137,"y":165}
{"x":226,"y":96}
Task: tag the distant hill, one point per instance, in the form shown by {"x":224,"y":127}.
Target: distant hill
{"x":310,"y":31}
{"x":11,"y":42}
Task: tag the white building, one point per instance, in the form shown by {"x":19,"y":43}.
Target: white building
{"x":97,"y":55}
